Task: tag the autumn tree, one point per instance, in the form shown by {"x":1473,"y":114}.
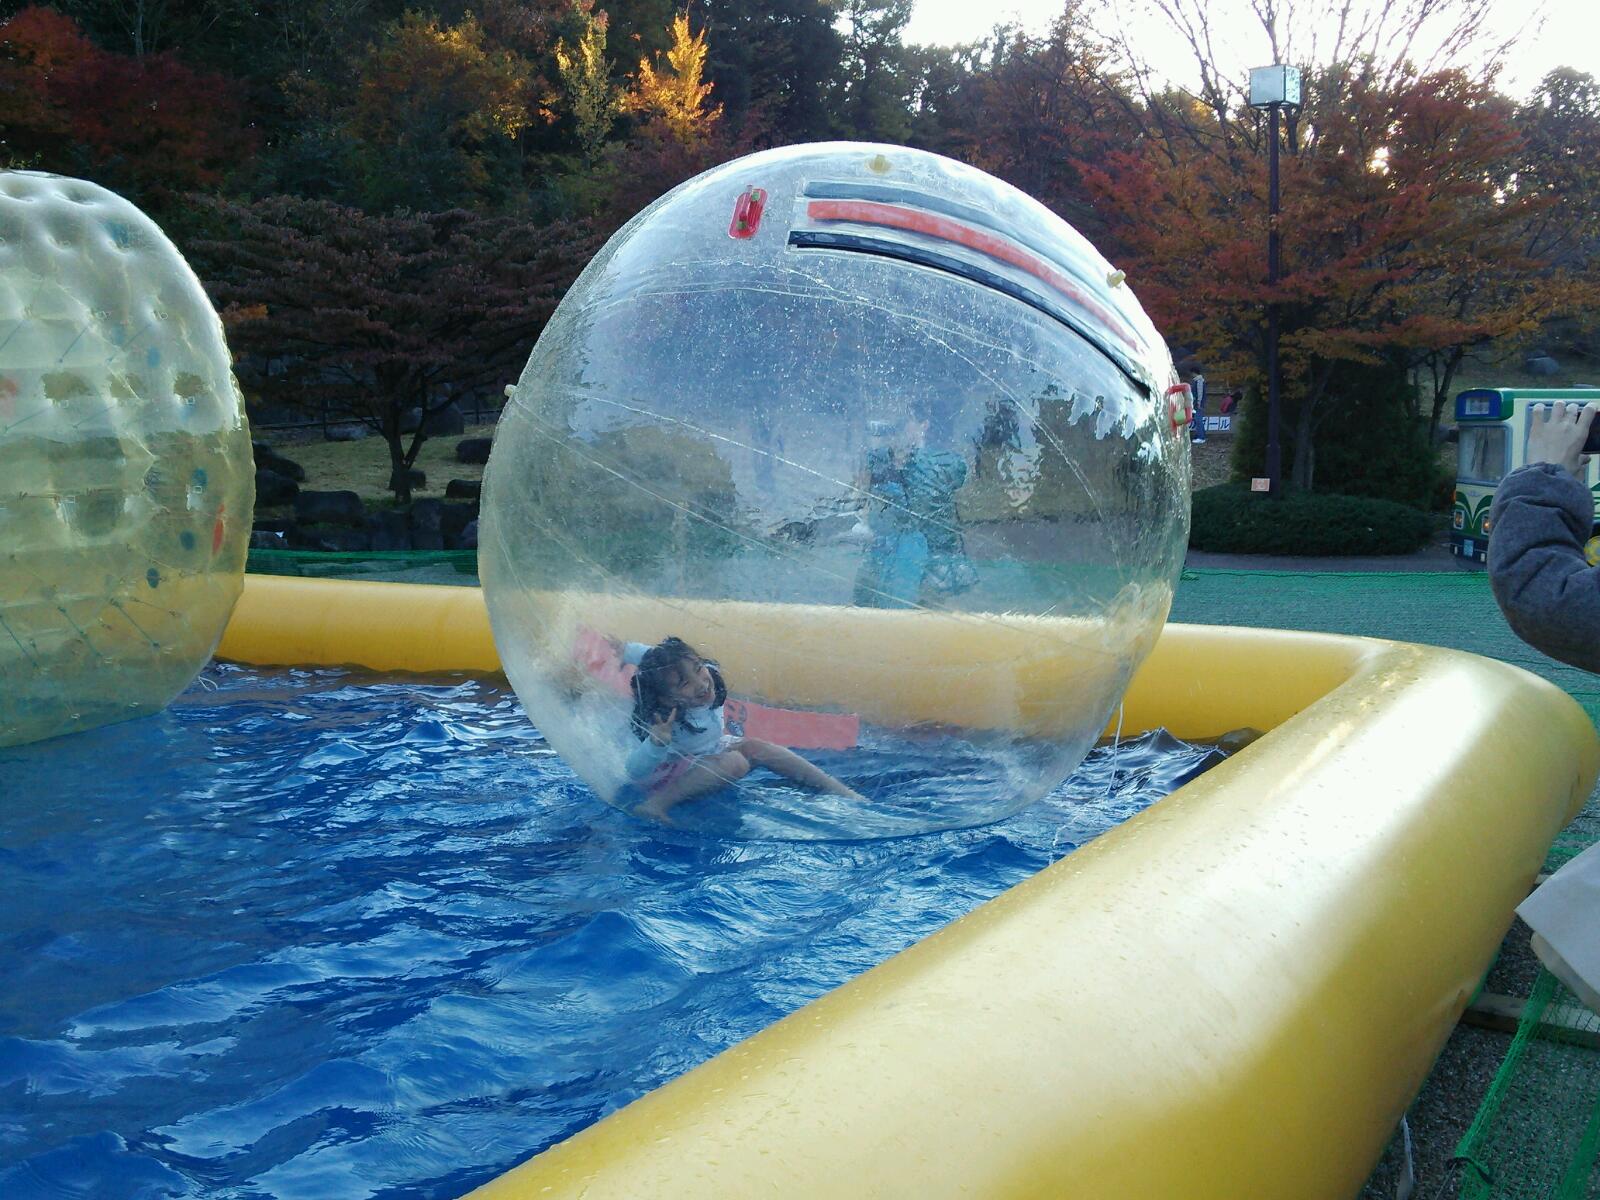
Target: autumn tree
{"x":593,"y":99}
{"x":675,"y":131}
{"x":1403,"y":231}
{"x":384,"y":315}
{"x":39,"y":50}
{"x":675,"y":94}
{"x":148,"y":127}
{"x":435,"y":116}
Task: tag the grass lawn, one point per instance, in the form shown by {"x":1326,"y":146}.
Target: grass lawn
{"x":363,"y":467}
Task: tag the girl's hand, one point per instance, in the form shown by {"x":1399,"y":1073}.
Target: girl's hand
{"x":661,"y":731}
{"x":1556,"y":435}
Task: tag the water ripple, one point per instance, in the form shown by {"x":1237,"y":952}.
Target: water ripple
{"x":309,"y":933}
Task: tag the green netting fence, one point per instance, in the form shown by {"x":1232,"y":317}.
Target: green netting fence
{"x":1538,"y":1129}
{"x":457,"y":567}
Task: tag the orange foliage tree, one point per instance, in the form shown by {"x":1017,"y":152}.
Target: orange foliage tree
{"x":676,"y":131}
{"x":1403,"y":232}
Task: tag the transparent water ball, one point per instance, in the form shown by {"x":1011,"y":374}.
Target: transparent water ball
{"x":126,"y":476}
{"x":882,"y":438}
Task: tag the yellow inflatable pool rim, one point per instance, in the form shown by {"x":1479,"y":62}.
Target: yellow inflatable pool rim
{"x":1234,"y":994}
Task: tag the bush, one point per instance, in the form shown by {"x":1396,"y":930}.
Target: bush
{"x":1367,"y":441}
{"x":1230,"y":519}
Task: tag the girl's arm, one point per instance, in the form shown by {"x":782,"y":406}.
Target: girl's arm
{"x":646,"y":757}
{"x":653,"y":750}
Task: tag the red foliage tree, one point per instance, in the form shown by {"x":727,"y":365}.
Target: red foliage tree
{"x":149,"y":127}
{"x":383,"y":315}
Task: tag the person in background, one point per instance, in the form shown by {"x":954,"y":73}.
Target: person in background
{"x":1197,"y":392}
{"x":917,"y":553}
{"x":1541,"y":520}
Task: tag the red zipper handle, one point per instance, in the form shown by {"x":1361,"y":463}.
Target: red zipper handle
{"x":1180,"y":406}
{"x":747,"y":211}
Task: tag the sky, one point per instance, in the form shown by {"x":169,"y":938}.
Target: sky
{"x":1569,"y":36}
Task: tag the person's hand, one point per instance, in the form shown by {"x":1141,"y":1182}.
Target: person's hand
{"x":1557,"y":434}
{"x":661,"y":731}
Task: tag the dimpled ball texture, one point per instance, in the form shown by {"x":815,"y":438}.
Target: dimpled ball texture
{"x":126,"y":477}
{"x":880,"y":434}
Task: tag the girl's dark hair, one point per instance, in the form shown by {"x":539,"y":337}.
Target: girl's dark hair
{"x":654,"y":678}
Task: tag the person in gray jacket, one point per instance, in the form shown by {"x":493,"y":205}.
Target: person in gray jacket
{"x":1540,"y":523}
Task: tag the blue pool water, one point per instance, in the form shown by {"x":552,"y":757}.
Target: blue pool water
{"x":309,"y":934}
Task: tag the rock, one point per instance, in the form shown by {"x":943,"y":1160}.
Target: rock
{"x":272,"y":525}
{"x":273,"y":489}
{"x":347,"y":433}
{"x":410,"y":420}
{"x":418,"y":479}
{"x":473,"y":450}
{"x":445,"y":422}
{"x":263,"y":539}
{"x":346,"y":540}
{"x":390,"y":529}
{"x":287,"y":467}
{"x":268,"y":459}
{"x":1541,"y":364}
{"x":463,"y":489}
{"x":453,"y":518}
{"x":426,"y":531}
{"x":801,"y":532}
{"x":469,"y":536}
{"x":301,"y":538}
{"x":1236,"y":740}
{"x":331,"y":508}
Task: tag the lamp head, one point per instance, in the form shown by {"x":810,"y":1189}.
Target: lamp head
{"x":1274,"y":85}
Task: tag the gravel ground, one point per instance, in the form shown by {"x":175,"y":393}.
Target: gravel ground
{"x":1456,"y":1086}
{"x":1208,"y":462}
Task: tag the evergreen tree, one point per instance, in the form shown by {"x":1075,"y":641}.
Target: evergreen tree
{"x":874,"y":100}
{"x":774,"y":62}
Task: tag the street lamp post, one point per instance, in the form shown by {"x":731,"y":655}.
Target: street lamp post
{"x":1273,"y":88}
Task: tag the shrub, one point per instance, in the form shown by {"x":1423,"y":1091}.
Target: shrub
{"x":1368,"y":443}
{"x":1230,"y":519}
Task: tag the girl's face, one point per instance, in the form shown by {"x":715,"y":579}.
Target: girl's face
{"x":691,"y":685}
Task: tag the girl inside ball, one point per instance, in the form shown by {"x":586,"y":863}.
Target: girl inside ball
{"x":683,"y":748}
